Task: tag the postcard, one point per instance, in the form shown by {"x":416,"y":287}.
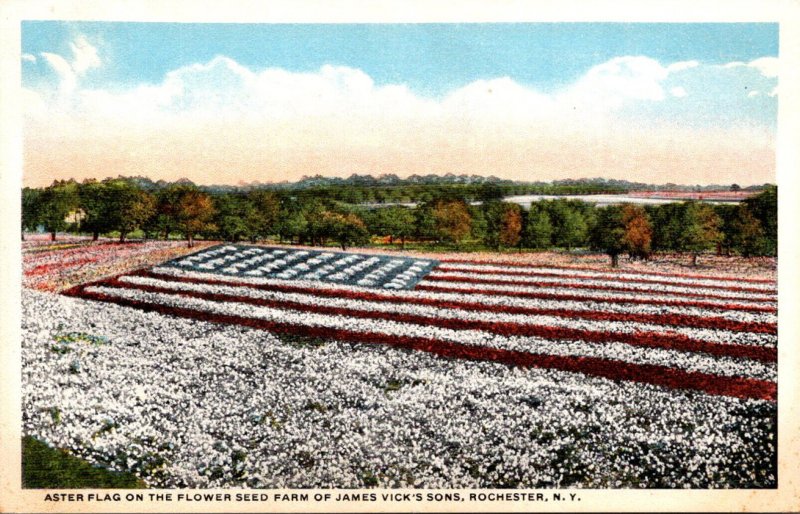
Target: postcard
{"x":515,"y":256}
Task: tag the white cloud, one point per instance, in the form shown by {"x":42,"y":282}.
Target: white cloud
{"x":84,"y":55}
{"x":28,"y":58}
{"x":622,"y":78}
{"x":678,"y":92}
{"x":768,"y":66}
{"x":69,"y":72}
{"x":752,"y":94}
{"x":682,"y":65}
{"x":68,"y":81}
{"x":338,"y":120}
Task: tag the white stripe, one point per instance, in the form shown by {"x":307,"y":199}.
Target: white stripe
{"x":619,"y":327}
{"x":489,"y":299}
{"x":696,"y":282}
{"x":564,"y":282}
{"x":617,"y":351}
{"x":592,"y":293}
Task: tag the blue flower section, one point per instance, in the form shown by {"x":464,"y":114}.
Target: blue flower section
{"x":376,"y":271}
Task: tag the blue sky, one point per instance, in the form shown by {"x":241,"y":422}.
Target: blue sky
{"x":690,"y":103}
{"x":430,"y":58}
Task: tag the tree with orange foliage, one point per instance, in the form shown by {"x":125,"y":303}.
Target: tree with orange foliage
{"x":511,"y":225}
{"x":194,"y":210}
{"x":503,"y":224}
{"x":452,"y":220}
{"x":638,"y":232}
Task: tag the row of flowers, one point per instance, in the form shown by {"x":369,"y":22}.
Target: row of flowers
{"x":740,"y":270}
{"x":603,"y":285}
{"x":505,"y":299}
{"x":615,"y":277}
{"x":720,"y":319}
{"x":184,"y":402}
{"x":594,"y":294}
{"x":480,"y":337}
{"x":365,"y":304}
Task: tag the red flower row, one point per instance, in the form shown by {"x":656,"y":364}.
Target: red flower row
{"x":681,"y":320}
{"x":533,"y":273}
{"x":607,"y":270}
{"x":677,"y":342}
{"x":615,"y":370}
{"x":533,"y":283}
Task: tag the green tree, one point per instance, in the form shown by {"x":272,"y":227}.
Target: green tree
{"x":346,"y":229}
{"x":701,"y":229}
{"x":748,"y":235}
{"x":667,"y":225}
{"x":56,"y":203}
{"x":396,"y":222}
{"x":538,"y":228}
{"x":263,"y":216}
{"x":97,"y":205}
{"x":129,"y":207}
{"x":608,"y":235}
{"x":165,"y":221}
{"x":569,"y":224}
{"x":764,"y":208}
{"x":231,"y":213}
{"x":315,"y":228}
{"x":490,"y":192}
{"x":31,"y":207}
{"x":424,"y":222}
{"x":727,"y":215}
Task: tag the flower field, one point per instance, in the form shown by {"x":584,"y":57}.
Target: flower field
{"x":253,"y":366}
{"x":52,"y":266}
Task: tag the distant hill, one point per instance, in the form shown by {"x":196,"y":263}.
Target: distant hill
{"x":390,"y":179}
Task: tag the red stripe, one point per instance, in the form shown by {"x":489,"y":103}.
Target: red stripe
{"x":532,"y":273}
{"x":607,"y":270}
{"x":566,"y":296}
{"x":533,"y":283}
{"x":615,"y":370}
{"x":677,"y":342}
{"x":709,"y":322}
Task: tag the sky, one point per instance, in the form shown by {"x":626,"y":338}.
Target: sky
{"x":232,"y":103}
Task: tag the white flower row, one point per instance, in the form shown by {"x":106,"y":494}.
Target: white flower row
{"x":228,"y":406}
{"x":621,"y":352}
{"x":496,"y":299}
{"x":622,"y":327}
{"x":565,"y":282}
{"x":593,"y":293}
{"x":686,"y":281}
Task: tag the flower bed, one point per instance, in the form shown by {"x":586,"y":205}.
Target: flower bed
{"x":60,"y":267}
{"x":668,"y":352}
{"x":183,"y":402}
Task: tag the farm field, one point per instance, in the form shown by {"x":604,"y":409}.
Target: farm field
{"x":267,"y":366}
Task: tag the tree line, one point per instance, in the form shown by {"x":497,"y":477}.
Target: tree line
{"x":447,"y":218}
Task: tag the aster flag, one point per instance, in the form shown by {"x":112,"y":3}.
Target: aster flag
{"x":711,"y":334}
